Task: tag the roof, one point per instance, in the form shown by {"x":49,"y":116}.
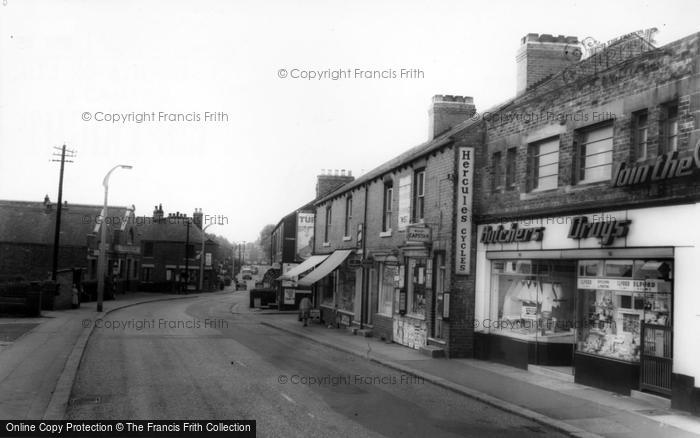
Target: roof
{"x":308,"y":206}
{"x":169,"y":229}
{"x":34,"y":222}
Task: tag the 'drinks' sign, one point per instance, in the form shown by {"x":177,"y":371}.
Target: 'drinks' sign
{"x":465,"y":192}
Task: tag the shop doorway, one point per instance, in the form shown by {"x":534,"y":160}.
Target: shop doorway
{"x":656,"y":358}
{"x":438,"y":303}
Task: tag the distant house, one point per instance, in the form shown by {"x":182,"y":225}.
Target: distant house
{"x":170,"y":247}
{"x":27,"y":237}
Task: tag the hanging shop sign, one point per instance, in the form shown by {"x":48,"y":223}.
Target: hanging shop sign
{"x":465,"y":194}
{"x":415,"y":234}
{"x":511,"y":235}
{"x":606,"y":231}
{"x":665,"y":167}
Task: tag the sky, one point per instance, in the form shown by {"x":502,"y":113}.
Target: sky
{"x":215,"y":105}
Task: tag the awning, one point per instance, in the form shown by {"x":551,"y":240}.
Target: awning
{"x":307,"y":264}
{"x":328,"y":266}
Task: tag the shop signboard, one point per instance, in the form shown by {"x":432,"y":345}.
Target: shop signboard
{"x":419,"y":234}
{"x":404,"y":202}
{"x":305,"y":235}
{"x":667,"y":166}
{"x":463,"y":210}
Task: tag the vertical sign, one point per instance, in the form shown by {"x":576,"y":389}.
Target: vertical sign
{"x":465,"y":193}
{"x":404,"y":202}
{"x":305,"y":235}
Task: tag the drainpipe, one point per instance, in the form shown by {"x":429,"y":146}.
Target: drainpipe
{"x":365,"y":269}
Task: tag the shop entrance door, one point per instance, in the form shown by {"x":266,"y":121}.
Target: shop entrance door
{"x":656,"y":358}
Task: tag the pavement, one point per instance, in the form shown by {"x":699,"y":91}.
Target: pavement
{"x":39,"y":357}
{"x":577,"y":410}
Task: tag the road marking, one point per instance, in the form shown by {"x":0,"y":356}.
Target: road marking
{"x":288,"y":398}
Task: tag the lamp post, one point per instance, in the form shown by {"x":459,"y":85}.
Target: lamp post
{"x":201,"y":259}
{"x":103,"y":240}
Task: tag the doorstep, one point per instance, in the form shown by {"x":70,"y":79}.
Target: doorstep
{"x":432,"y":351}
{"x":565,"y":374}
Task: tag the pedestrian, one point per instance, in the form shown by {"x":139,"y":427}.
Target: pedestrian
{"x":305,"y":309}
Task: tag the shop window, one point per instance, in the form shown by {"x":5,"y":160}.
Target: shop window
{"x":533,"y":299}
{"x":511,"y":157}
{"x":497,"y":173}
{"x":387,"y":278}
{"x":614,"y":305}
{"x":326,"y":228}
{"x":146,"y":274}
{"x":169,"y":274}
{"x":416,"y":287}
{"x":543,"y":166}
{"x":346,"y":289}
{"x":669,"y":128}
{"x":594,"y":154}
{"x":325,"y":286}
{"x":348,"y":215}
{"x":419,"y":196}
{"x":640,"y":134}
{"x":387,"y":207}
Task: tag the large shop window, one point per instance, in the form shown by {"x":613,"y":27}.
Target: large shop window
{"x":346,"y":289}
{"x":416,"y":287}
{"x":595,"y":154}
{"x":387,"y":278}
{"x":532,"y":299}
{"x":325,"y":286}
{"x":616,"y":298}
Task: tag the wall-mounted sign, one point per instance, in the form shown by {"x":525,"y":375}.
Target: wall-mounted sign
{"x":354,"y":263}
{"x":404,"y":202}
{"x":465,"y":194}
{"x":666,"y":166}
{"x":207,"y":259}
{"x":416,"y":234}
{"x":606,"y":231}
{"x":289,"y":295}
{"x":511,"y":235}
{"x":305,"y":235}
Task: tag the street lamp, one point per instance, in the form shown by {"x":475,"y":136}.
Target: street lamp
{"x":103,"y":240}
{"x":201,"y":259}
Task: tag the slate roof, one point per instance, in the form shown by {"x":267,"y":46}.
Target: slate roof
{"x":33,"y":223}
{"x":170,"y":229}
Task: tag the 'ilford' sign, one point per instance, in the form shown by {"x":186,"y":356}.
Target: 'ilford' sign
{"x":606,"y":231}
{"x":511,"y":235}
{"x":665,"y":167}
{"x":465,"y":194}
{"x":418,"y":235}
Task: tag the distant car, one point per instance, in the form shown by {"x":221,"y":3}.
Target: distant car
{"x":247,"y":277}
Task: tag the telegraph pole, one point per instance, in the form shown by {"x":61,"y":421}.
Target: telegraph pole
{"x":57,"y":231}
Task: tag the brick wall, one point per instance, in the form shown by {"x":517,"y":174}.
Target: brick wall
{"x":35,"y":261}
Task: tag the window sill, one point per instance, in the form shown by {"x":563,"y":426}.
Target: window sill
{"x":347,"y":238}
{"x":385,"y":233}
{"x":326,"y":244}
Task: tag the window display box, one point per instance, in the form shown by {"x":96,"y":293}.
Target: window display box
{"x":521,"y":352}
{"x":605,"y":373}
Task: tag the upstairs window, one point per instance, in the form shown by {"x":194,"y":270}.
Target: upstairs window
{"x":594,"y":153}
{"x":543,"y":171}
{"x":419,"y":196}
{"x":669,"y":128}
{"x":388,"y":199}
{"x":511,"y":156}
{"x":327,"y":227}
{"x":148,"y":249}
{"x":640,"y":134}
{"x":497,"y":174}
{"x":348,"y":215}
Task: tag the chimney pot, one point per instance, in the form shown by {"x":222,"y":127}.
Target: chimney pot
{"x":447,"y":111}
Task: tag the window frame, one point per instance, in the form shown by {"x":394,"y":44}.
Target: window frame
{"x":419,"y":196}
{"x":580,"y":161}
{"x":511,"y":168}
{"x":669,"y":118}
{"x":327,"y":223}
{"x":387,"y":209}
{"x":637,"y":126}
{"x":535,"y":166}
{"x":348,"y":215}
{"x":497,"y":171}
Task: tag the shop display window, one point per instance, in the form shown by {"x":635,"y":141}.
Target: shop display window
{"x":388,"y":278}
{"x":346,"y":289}
{"x":532,"y":299}
{"x":614,"y":302}
{"x":416,"y":284}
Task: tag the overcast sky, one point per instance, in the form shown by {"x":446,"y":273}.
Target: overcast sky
{"x":65,"y":61}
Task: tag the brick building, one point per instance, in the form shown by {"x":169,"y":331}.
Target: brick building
{"x":292,"y":241}
{"x":27,"y":237}
{"x":586,"y":211}
{"x":170,"y":247}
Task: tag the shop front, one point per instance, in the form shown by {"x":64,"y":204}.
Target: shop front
{"x":592,"y":295}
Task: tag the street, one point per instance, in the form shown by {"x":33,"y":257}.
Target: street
{"x":210,"y":358}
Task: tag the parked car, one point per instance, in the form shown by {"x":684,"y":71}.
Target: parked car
{"x":246,"y":277}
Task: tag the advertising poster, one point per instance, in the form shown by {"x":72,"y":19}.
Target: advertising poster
{"x":305,"y":235}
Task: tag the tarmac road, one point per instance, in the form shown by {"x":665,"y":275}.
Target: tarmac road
{"x":209,"y":358}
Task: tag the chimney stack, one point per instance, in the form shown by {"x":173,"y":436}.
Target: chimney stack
{"x":158,"y":213}
{"x":541,"y":56}
{"x":197,"y":217}
{"x":330,"y":180}
{"x":448,"y":111}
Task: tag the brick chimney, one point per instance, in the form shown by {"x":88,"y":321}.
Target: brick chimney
{"x":448,"y":111}
{"x":329,"y":180}
{"x":541,"y":56}
{"x":158,"y":213}
{"x":197,"y":217}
